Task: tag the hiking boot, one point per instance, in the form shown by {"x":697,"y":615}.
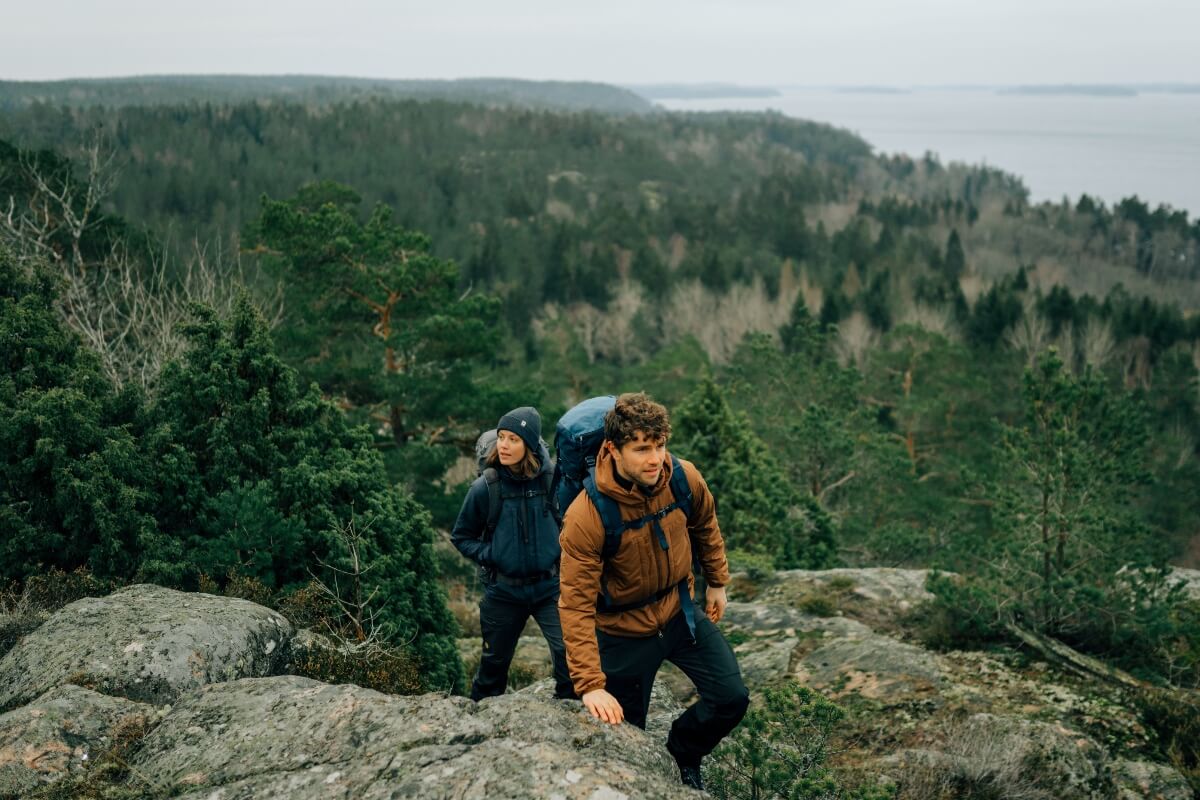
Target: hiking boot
{"x":690,"y":776}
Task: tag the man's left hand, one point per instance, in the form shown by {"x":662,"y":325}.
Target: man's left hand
{"x":715,"y":602}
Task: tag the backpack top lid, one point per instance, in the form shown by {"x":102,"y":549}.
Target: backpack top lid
{"x":579,"y":434}
{"x":484,"y":446}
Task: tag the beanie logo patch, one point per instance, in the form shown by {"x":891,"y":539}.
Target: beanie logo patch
{"x":522,"y":423}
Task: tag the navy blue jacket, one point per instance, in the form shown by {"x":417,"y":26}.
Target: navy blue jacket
{"x":525,"y":542}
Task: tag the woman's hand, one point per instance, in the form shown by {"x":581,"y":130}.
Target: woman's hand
{"x":603,"y":706}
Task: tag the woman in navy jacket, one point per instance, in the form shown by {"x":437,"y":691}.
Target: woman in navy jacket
{"x":520,"y":557}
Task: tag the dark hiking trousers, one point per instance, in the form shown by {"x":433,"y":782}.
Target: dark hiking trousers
{"x":502,"y":621}
{"x":630,"y":665}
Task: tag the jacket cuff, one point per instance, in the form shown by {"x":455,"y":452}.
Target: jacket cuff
{"x":590,"y":685}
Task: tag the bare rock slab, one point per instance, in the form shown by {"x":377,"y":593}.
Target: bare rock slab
{"x":57,"y":733}
{"x":297,"y":738}
{"x":145,"y":643}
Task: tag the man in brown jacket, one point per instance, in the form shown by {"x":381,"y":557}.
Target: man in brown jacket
{"x":626,"y":611}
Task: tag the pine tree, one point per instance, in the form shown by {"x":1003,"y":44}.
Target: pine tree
{"x":759,"y":510}
{"x":954,"y":263}
{"x":1075,"y":463}
{"x":379,"y":322}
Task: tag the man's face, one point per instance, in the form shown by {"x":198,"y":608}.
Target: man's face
{"x":640,"y":459}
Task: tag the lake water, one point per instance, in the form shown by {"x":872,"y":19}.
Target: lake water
{"x":1107,"y":147}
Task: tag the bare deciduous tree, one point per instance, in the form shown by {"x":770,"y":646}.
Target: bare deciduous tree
{"x":1031,"y":334}
{"x":126,"y":309}
{"x":855,"y":338}
{"x":129,"y":312}
{"x":1097,"y":344}
{"x":62,"y":206}
{"x":586,"y":320}
{"x":353,"y":600}
{"x":719,"y":322}
{"x":935,"y":319}
{"x":1066,"y":343}
{"x":617,"y":334}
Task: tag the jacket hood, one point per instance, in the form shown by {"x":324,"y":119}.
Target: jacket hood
{"x":607,"y":483}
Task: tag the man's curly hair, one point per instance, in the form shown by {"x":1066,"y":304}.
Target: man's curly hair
{"x":634,"y":412}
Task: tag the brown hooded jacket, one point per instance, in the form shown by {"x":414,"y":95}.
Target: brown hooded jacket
{"x":639,"y":569}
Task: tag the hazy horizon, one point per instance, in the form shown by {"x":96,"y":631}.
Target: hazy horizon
{"x":753,"y":42}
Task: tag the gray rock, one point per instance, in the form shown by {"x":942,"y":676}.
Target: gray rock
{"x":297,"y":738}
{"x":766,"y":661}
{"x":145,"y":643}
{"x":896,"y":589}
{"x":664,"y":707}
{"x":57,"y":733}
{"x":873,"y":666}
{"x":767,"y":619}
{"x":1142,"y":780}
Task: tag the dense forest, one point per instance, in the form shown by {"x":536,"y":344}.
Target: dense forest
{"x":875,"y":360}
{"x":174,"y":90}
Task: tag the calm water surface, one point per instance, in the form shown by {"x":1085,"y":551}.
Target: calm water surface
{"x":1107,"y":147}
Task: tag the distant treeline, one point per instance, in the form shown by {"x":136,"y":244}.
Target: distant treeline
{"x":153,"y":90}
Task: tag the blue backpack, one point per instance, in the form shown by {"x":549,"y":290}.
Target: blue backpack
{"x":577,"y":440}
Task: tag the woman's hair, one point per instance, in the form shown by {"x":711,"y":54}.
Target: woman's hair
{"x":527,"y":467}
{"x":635,"y":412}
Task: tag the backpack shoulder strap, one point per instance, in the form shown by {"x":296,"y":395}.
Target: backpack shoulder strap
{"x":680,"y":488}
{"x":610,"y":515}
{"x":548,"y":480}
{"x":492,"y":478}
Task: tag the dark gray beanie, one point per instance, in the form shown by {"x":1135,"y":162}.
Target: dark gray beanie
{"x":525,"y":422}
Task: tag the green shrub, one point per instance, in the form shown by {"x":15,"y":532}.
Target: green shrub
{"x":779,"y":752}
{"x":1174,"y":716}
{"x":819,"y":605}
{"x":382,"y":668}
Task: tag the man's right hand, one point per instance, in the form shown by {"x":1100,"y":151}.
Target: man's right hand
{"x":603,"y":706}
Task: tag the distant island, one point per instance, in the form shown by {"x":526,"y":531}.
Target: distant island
{"x":1090,"y":90}
{"x":700,"y":91}
{"x":1103,"y":89}
{"x":871,"y":90}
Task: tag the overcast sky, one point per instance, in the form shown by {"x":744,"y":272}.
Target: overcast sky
{"x":918,"y":42}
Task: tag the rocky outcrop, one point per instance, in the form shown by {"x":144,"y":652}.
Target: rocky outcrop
{"x":297,"y":738}
{"x":222,"y":726}
{"x":876,"y":595}
{"x":226,"y":724}
{"x":144,"y":643}
{"x":59,"y":732}
{"x":832,"y":654}
{"x":1190,"y":578}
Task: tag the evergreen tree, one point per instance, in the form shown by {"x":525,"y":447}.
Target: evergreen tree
{"x":954,"y":263}
{"x":759,"y":510}
{"x":1074,"y":465}
{"x":72,"y":476}
{"x":256,"y":474}
{"x":379,"y":322}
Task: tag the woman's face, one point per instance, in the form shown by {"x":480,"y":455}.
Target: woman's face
{"x":510,"y":448}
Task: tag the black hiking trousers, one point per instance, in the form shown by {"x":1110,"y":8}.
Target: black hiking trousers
{"x":501,"y":621}
{"x":630,"y":664}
